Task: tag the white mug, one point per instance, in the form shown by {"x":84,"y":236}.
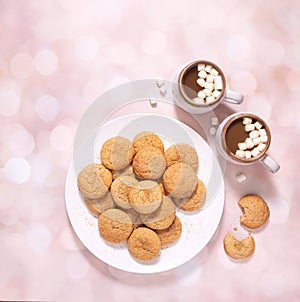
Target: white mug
{"x":223,"y":149}
{"x":181,"y":91}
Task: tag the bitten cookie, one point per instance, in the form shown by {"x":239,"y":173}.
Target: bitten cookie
{"x":180,"y":180}
{"x":239,"y":249}
{"x":116,"y":153}
{"x":146,"y":197}
{"x":163,"y":217}
{"x":114,"y":225}
{"x":120,"y":190}
{"x":94,"y":181}
{"x":182,"y":153}
{"x":255,"y":211}
{"x":149,"y":163}
{"x":144,"y":244}
{"x":147,"y":139}
{"x":195,"y":202}
{"x":99,"y":205}
{"x":171,"y":234}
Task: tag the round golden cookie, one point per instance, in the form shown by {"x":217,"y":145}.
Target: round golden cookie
{"x":163,"y":217}
{"x":120,"y":190}
{"x":117,"y":153}
{"x":146,"y":197}
{"x":238,"y":249}
{"x":144,"y":244}
{"x":171,"y":234}
{"x":195,"y":201}
{"x":99,"y":205}
{"x":149,"y":163}
{"x":114,"y":225}
{"x":182,"y":153}
{"x":180,"y":180}
{"x":94,"y":181}
{"x":147,"y":139}
{"x":255,"y":211}
{"x":128,"y":171}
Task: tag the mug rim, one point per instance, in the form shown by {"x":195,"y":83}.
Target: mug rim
{"x":230,"y":120}
{"x":181,"y":86}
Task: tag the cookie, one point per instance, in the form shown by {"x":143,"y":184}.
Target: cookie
{"x":163,"y":217}
{"x":146,"y":197}
{"x":94,"y":181}
{"x":128,"y":171}
{"x":195,"y":201}
{"x":144,"y":244}
{"x":182,"y":153}
{"x":99,"y":205}
{"x":149,"y":163}
{"x":180,"y":180}
{"x":120,"y":190}
{"x":147,"y":139}
{"x":171,"y":234}
{"x":239,"y":249}
{"x":114,"y":225}
{"x":117,"y":153}
{"x":255,"y":211}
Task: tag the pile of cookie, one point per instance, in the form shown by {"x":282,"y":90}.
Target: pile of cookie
{"x":136,"y":189}
{"x":255,"y":214}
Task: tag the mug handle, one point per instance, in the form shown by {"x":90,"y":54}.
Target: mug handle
{"x":269,"y":163}
{"x":233,"y":97}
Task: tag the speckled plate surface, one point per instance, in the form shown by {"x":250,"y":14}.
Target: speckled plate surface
{"x":198,"y":227}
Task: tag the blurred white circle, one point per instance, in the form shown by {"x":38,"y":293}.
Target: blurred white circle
{"x":292,"y":80}
{"x":272,"y":285}
{"x":38,"y":237}
{"x":77,"y":266}
{"x":271,"y":52}
{"x":61,"y":138}
{"x":17,"y":170}
{"x":122,"y":53}
{"x":69,"y":241}
{"x":47,"y":107}
{"x":243,"y":82}
{"x":154,"y":42}
{"x":21,"y":65}
{"x":260,"y":105}
{"x":237,"y":47}
{"x":9,"y":102}
{"x":86,"y":48}
{"x":46,"y":62}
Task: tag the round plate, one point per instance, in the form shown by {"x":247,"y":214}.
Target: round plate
{"x":197,"y":228}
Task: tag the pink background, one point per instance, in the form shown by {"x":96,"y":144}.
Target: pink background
{"x":57,"y":56}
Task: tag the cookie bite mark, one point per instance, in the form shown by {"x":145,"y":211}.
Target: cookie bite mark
{"x":144,"y":244}
{"x":238,"y":249}
{"x":94,"y":181}
{"x":117,"y":153}
{"x":255,"y":211}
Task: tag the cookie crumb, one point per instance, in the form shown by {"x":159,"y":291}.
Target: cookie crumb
{"x":235,"y":229}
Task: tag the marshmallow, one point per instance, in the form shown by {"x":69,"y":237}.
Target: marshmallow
{"x":212,"y":130}
{"x":216,"y":93}
{"x":202,"y":74}
{"x":258,"y":125}
{"x":262,"y":132}
{"x":261,"y":147}
{"x":201,"y":82}
{"x":242,"y":146}
{"x":254,"y":134}
{"x":210,"y":78}
{"x":247,"y":154}
{"x":214,"y":121}
{"x":153,"y":103}
{"x":208,"y":68}
{"x":210,"y":99}
{"x":209,"y":86}
{"x":255,"y":152}
{"x":201,"y":94}
{"x":199,"y":100}
{"x":256,"y":141}
{"x":249,"y":143}
{"x":240,"y":153}
{"x":263,"y":139}
{"x":208,"y":92}
{"x":247,"y":120}
{"x":241,"y":177}
{"x":200,"y":67}
{"x":218,"y":82}
{"x":214,"y":72}
{"x":249,"y":127}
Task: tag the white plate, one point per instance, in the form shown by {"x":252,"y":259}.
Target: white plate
{"x":198,"y":228}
